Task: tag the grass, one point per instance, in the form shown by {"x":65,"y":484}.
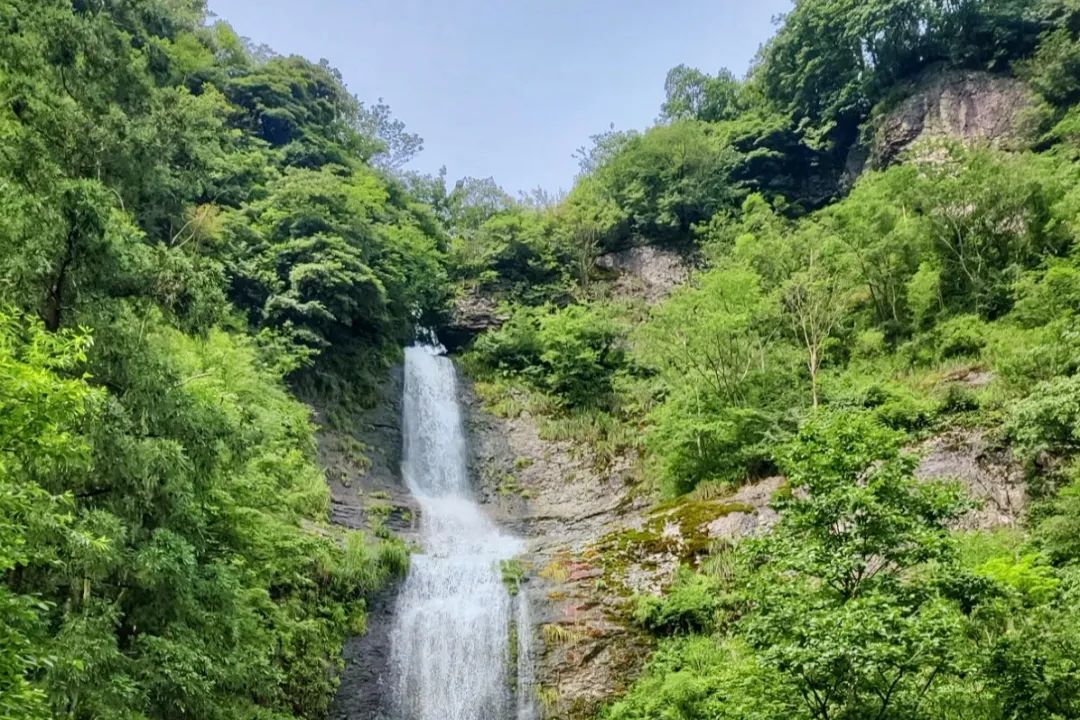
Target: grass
{"x":513,"y":573}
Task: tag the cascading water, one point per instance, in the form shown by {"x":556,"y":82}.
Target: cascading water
{"x":450,"y":649}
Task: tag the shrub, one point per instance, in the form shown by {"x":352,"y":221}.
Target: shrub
{"x":895,"y":404}
{"x":514,"y":347}
{"x":869,"y":344}
{"x":1048,"y":420}
{"x":699,"y":677}
{"x":690,"y":605}
{"x":692,"y":443}
{"x":963,"y":336}
{"x":572,"y":352}
{"x":1044,"y":297}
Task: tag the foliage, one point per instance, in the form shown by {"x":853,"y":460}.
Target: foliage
{"x":664,"y":182}
{"x":174,"y":196}
{"x":573,"y":352}
{"x":698,"y":677}
{"x":693,"y":94}
{"x":714,"y":343}
{"x":42,"y":412}
{"x":828,"y":322}
{"x":1047,"y":420}
{"x":690,"y":605}
{"x":832,"y":84}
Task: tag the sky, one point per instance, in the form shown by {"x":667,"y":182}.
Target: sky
{"x":510,"y":89}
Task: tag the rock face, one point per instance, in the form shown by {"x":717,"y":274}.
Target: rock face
{"x":364,"y":681}
{"x":362,"y":457}
{"x":645,"y":272}
{"x":990,"y":474}
{"x":471,"y":315}
{"x":594,"y":541}
{"x":561,"y":497}
{"x":968,"y":106}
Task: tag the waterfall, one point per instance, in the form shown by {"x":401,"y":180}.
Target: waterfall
{"x":526,"y":701}
{"x":450,"y":644}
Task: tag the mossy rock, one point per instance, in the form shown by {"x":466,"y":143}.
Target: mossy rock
{"x":676,"y":529}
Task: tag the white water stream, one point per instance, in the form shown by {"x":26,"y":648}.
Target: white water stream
{"x":450,"y":649}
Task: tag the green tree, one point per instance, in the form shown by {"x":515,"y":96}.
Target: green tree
{"x":835,"y":605}
{"x":717,"y":345}
{"x":41,"y":412}
{"x":666,"y":181}
{"x":693,"y":94}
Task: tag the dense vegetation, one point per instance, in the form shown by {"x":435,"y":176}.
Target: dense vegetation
{"x":186,"y":226}
{"x":196,"y":234}
{"x":824,"y":333}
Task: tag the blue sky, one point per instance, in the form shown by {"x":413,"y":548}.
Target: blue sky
{"x":510,"y":89}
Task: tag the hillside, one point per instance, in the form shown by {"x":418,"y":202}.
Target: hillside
{"x":782,"y":396}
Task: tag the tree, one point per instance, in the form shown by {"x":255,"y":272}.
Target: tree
{"x":605,"y":146}
{"x":814,"y":303}
{"x":666,"y":181}
{"x":989,"y":216}
{"x":334,"y":260}
{"x":835,"y":606}
{"x":398,"y":145}
{"x":40,"y":416}
{"x":716,"y":345}
{"x":691,"y":94}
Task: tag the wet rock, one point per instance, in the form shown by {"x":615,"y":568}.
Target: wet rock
{"x":364,"y":688}
{"x":562,"y":497}
{"x":362,"y":459}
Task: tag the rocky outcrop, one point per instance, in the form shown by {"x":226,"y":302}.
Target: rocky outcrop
{"x":595,"y":540}
{"x":561,"y":496}
{"x":364,"y":689}
{"x":992,"y":476}
{"x":471,"y":315}
{"x":966,"y":106}
{"x":362,"y":457}
{"x":647,"y":273}
{"x":361,"y":454}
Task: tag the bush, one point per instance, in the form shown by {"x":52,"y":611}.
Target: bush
{"x":869,"y":344}
{"x":514,"y":348}
{"x":1047,"y":420}
{"x":692,"y":443}
{"x":573,"y":352}
{"x":1047,"y":296}
{"x":690,"y":605}
{"x":963,"y":336}
{"x":895,"y":404}
{"x":1027,"y":356}
{"x":698,"y":677}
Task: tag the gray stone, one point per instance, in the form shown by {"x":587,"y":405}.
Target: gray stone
{"x":646,"y":272}
{"x":969,"y":106}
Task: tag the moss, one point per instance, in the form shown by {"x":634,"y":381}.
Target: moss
{"x":691,"y":518}
{"x":513,"y":574}
{"x":558,"y":570}
{"x":512,"y":657}
{"x":654,"y":540}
